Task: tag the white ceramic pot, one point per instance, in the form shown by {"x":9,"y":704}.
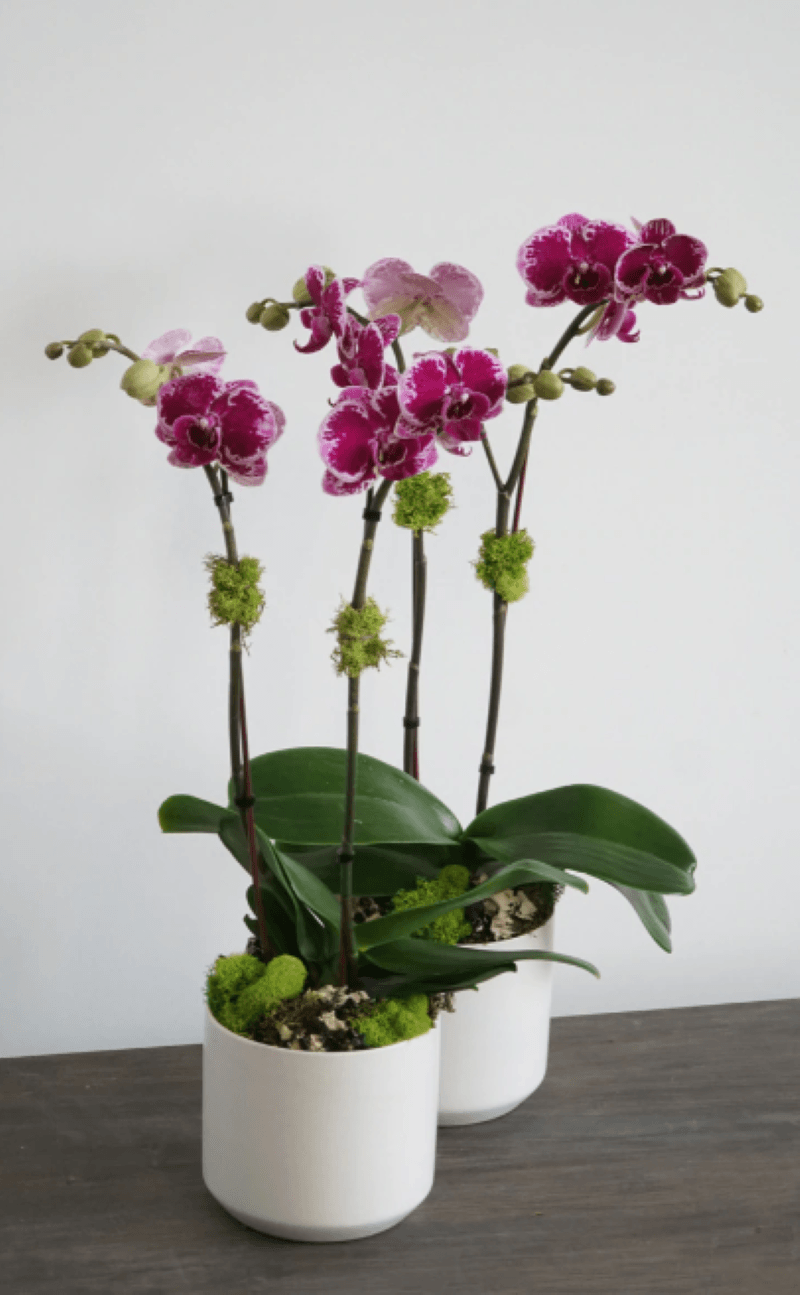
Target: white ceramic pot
{"x":494,"y":1046}
{"x":318,"y":1146}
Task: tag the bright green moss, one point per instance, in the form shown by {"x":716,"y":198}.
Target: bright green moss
{"x":395,"y":1019}
{"x":242,"y":989}
{"x":502,"y":564}
{"x":422,"y":501}
{"x":235,"y":595}
{"x":359,"y":645}
{"x":451,"y":927}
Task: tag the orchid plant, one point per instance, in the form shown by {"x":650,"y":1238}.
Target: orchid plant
{"x":317,"y":828}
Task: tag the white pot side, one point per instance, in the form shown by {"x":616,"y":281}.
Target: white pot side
{"x":318,"y":1146}
{"x":494,"y":1046}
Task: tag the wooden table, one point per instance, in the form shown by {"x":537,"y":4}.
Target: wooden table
{"x":660,"y":1157}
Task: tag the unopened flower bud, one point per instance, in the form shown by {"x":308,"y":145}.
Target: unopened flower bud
{"x":518,"y":391}
{"x":582,"y":379}
{"x":54,"y":350}
{"x":729,"y":286}
{"x":753,"y":304}
{"x":274,"y":317}
{"x":606,"y":387}
{"x":79,"y":355}
{"x":253,"y":312}
{"x":100,"y":349}
{"x":143,"y":380}
{"x":93,"y":335}
{"x":547,"y":385}
{"x":301,"y":294}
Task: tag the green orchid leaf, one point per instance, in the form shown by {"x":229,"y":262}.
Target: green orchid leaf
{"x":592,"y":830}
{"x":378,"y":869}
{"x":300,"y":798}
{"x":188,"y":814}
{"x":437,"y":968}
{"x":653,"y":911}
{"x":394,"y":926}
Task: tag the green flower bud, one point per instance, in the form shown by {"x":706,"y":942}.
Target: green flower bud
{"x":54,"y":350}
{"x":300,"y":293}
{"x":100,"y":349}
{"x":606,"y":387}
{"x":548,"y":385}
{"x":274,"y":317}
{"x":753,"y":304}
{"x":729,"y":287}
{"x":582,"y":379}
{"x":93,"y":335}
{"x":253,"y":312}
{"x":79,"y":355}
{"x":518,"y":391}
{"x":143,"y":380}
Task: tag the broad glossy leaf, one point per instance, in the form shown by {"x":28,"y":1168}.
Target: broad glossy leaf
{"x":188,"y":814}
{"x":316,"y":910}
{"x":436,"y":968}
{"x":394,"y":926}
{"x":653,"y":911}
{"x":300,"y":798}
{"x":280,"y":919}
{"x":592,"y":830}
{"x":381,"y":869}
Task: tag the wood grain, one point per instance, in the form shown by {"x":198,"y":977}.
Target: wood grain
{"x":660,"y":1157}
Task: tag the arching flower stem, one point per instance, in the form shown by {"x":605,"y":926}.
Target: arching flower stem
{"x":505,"y":493}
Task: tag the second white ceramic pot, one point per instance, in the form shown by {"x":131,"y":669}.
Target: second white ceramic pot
{"x":494,"y":1046}
{"x":318,"y":1146}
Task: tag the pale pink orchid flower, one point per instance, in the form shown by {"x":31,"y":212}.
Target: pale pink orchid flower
{"x":173,"y":348}
{"x":441,"y":303}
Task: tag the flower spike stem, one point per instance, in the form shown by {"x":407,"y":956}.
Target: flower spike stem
{"x":347,"y":959}
{"x":505,"y":493}
{"x":411,"y":719}
{"x":237,"y":718}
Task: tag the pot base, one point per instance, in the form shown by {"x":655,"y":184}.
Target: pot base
{"x":319,"y":1236}
{"x":452,"y":1119}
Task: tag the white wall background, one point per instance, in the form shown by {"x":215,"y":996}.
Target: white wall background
{"x":167,"y":163}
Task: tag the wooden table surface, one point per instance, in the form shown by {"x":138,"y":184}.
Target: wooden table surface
{"x":660,"y":1157}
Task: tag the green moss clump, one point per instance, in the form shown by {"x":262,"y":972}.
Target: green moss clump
{"x":395,"y":1019}
{"x":235,"y":595}
{"x":241,"y":989}
{"x":502,"y":564}
{"x":359,"y":645}
{"x":451,"y":927}
{"x":422,"y":501}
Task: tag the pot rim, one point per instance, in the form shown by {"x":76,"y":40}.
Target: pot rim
{"x":511,"y":939}
{"x":298,"y":1052}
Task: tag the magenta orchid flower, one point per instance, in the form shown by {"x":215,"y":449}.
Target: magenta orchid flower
{"x":361,"y":437}
{"x":573,"y":260}
{"x":205,"y":420}
{"x":662,"y":267}
{"x":442,"y":303}
{"x":173,"y":348}
{"x":361,"y":354}
{"x":327,"y":317}
{"x":452,"y":395}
